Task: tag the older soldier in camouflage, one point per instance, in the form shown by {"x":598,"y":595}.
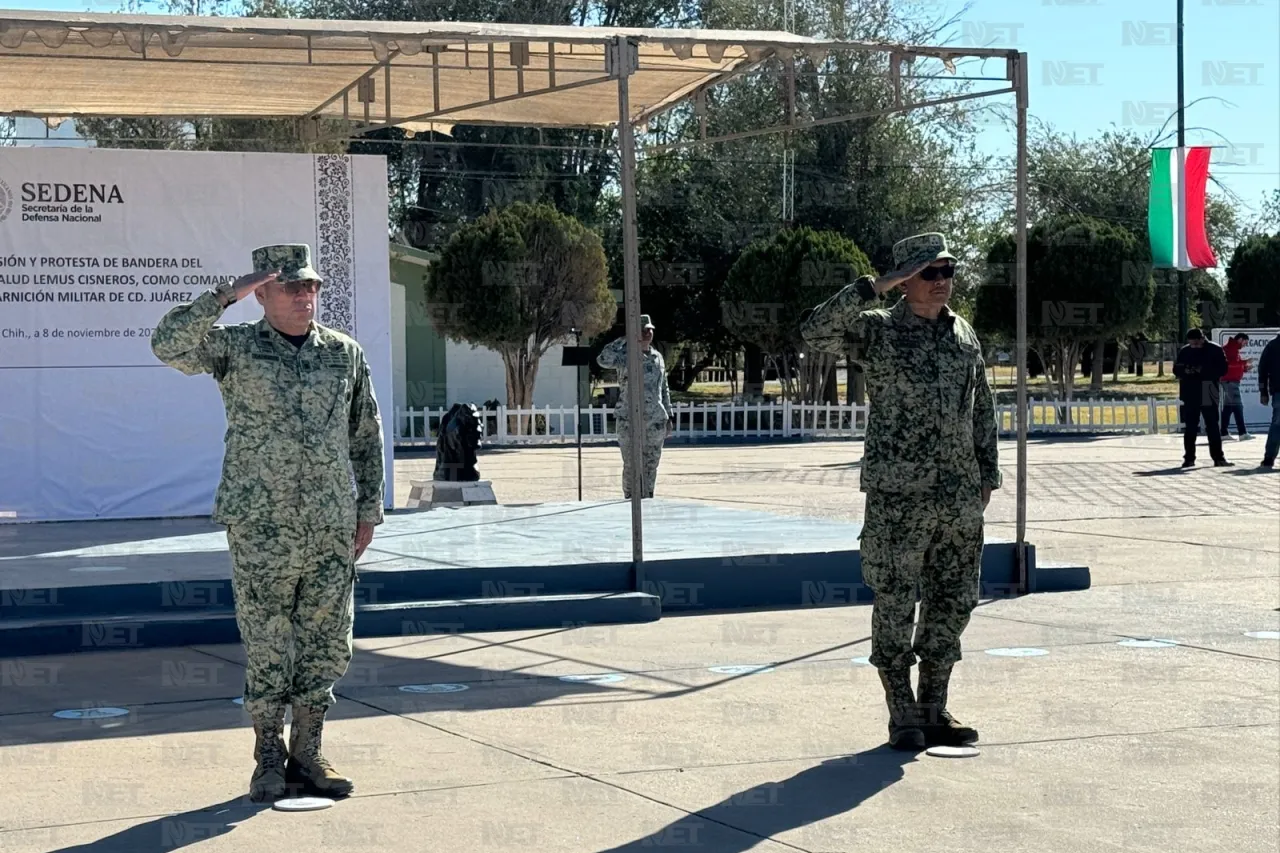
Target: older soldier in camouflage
{"x":929,"y":466}
{"x":657,"y":406}
{"x":301,"y":491}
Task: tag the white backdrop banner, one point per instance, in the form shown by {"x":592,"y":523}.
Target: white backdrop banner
{"x":95,"y":247}
{"x":1254,"y":412}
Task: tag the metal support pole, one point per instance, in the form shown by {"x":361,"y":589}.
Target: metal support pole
{"x":1184,"y":314}
{"x":1020,"y":547}
{"x":624,"y":56}
{"x":578,"y":414}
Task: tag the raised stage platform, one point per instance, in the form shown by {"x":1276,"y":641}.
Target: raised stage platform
{"x":80,"y":586}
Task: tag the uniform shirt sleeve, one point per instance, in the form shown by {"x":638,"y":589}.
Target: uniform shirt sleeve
{"x":614,"y":355}
{"x":365,"y":433}
{"x":837,"y":323}
{"x":985,"y":435}
{"x":666,"y":389}
{"x":187,"y":339}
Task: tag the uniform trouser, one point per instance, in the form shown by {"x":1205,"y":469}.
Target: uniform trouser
{"x":930,"y":542}
{"x":294,"y":595}
{"x":652,"y":436}
{"x":1232,"y":404}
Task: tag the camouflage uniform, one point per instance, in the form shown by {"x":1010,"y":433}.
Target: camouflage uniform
{"x":657,"y":410}
{"x":931,"y":447}
{"x":303,"y":464}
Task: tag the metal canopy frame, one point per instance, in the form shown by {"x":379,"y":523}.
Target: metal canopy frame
{"x":31,"y":36}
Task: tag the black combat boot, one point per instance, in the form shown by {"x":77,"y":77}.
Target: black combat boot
{"x":937,"y":724}
{"x":904,"y":728}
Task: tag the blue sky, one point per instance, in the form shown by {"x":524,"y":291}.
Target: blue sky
{"x":1097,"y":64}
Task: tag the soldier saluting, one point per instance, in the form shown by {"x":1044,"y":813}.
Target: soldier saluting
{"x":657,"y":410}
{"x":930,"y":464}
{"x":301,"y":420}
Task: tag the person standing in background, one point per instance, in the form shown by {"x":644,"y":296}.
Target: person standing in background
{"x":1232,"y":403}
{"x":1269,"y":390}
{"x":657,"y":406}
{"x":1199,"y":367}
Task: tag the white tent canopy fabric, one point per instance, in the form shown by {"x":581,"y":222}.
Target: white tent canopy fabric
{"x":67,"y":65}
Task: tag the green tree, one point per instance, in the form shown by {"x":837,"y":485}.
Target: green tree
{"x":517,"y":281}
{"x":1087,"y":280}
{"x":773,"y":283}
{"x":1253,"y":294}
{"x":872,"y":180}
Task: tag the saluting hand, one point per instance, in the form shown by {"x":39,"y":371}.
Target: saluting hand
{"x":247,"y":284}
{"x":889,"y":281}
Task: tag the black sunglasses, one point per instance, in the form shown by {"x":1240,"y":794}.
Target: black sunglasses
{"x":293,"y":288}
{"x":935,"y":273}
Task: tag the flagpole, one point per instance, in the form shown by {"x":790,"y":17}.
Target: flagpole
{"x":1184,"y":317}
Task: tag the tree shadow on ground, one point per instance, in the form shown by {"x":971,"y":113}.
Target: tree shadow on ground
{"x":173,"y":832}
{"x":742,"y":820}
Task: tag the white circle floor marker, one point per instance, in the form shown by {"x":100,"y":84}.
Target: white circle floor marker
{"x":1263,"y":635}
{"x":1135,"y":643}
{"x":594,"y":678}
{"x":301,"y":804}
{"x":1017,"y":653}
{"x":91,"y":713}
{"x":433,"y":688}
{"x":741,"y":669}
{"x":952,"y":751}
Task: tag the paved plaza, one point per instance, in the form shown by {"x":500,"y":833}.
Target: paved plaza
{"x":733,"y":732}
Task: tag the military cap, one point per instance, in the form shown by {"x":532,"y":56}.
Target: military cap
{"x":645,"y":322}
{"x":919,"y":250}
{"x":293,"y":260}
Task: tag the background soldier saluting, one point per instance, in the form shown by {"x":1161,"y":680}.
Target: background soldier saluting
{"x":929,"y":466}
{"x":657,"y":405}
{"x":301,"y":419}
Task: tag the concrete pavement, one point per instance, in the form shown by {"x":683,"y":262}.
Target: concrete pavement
{"x":1087,"y":744}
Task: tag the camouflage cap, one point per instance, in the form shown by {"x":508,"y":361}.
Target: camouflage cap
{"x":920,"y":249}
{"x":645,"y":322}
{"x":293,"y":260}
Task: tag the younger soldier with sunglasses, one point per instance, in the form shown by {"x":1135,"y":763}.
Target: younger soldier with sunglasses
{"x":301,"y":421}
{"x":929,"y":466}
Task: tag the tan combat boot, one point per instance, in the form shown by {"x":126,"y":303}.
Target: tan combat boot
{"x":307,"y":766}
{"x":939,"y":727}
{"x":904,"y":727}
{"x":268,"y":782}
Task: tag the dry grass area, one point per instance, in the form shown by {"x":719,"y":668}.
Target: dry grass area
{"x":1005,"y":384}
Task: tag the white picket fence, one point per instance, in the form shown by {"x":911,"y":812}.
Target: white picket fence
{"x":785,"y":420}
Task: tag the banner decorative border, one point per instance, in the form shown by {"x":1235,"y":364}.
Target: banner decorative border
{"x":335,"y":232}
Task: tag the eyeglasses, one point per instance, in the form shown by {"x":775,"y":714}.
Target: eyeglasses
{"x":293,"y":288}
{"x":935,"y":273}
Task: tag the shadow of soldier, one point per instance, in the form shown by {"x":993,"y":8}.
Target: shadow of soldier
{"x":173,"y":832}
{"x":741,"y":821}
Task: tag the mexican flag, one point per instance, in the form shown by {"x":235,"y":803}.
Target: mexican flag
{"x":1175,"y":214}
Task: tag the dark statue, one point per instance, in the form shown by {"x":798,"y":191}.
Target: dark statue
{"x":456,"y":445}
